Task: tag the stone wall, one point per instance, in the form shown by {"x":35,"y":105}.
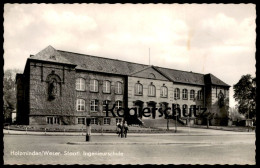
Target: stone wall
{"x":40,"y":104}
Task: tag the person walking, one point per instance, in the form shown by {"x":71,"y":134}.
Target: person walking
{"x":125,"y":129}
{"x":118,"y":129}
{"x":122,"y":129}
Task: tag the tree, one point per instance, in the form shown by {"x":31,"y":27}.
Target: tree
{"x":245,"y":94}
{"x":9,"y":92}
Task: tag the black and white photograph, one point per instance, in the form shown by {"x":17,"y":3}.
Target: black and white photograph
{"x":129,"y":84}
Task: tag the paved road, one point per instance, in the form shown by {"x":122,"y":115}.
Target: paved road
{"x":214,"y":149}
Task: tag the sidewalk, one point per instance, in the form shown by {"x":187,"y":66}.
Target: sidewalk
{"x":181,"y":131}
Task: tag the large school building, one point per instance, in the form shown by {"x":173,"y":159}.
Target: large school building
{"x":61,"y":87}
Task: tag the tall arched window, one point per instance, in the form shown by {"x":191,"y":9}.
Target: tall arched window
{"x":138,"y":88}
{"x":164,"y":91}
{"x":177,"y":93}
{"x":199,"y":95}
{"x":184,"y":94}
{"x":80,"y":105}
{"x":192,"y":109}
{"x":192,"y":94}
{"x":106,"y":87}
{"x":185,"y":108}
{"x":94,"y":85}
{"x":151,"y":90}
{"x":118,"y":88}
{"x":80,"y":84}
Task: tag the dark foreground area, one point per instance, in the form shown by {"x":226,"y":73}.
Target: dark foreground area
{"x":214,"y":149}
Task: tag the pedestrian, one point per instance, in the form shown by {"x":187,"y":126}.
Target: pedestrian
{"x":118,"y":129}
{"x":122,"y":129}
{"x":125,"y":129}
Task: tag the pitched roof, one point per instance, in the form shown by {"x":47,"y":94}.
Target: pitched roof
{"x":150,"y":72}
{"x":182,"y":76}
{"x":50,"y":54}
{"x":94,"y":63}
{"x":213,"y":80}
{"x":114,"y":66}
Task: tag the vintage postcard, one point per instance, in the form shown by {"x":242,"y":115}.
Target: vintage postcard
{"x":138,"y":84}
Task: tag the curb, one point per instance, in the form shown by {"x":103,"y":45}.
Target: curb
{"x":134,"y":143}
{"x":151,"y":143}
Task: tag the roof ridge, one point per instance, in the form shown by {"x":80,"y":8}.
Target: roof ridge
{"x":127,"y":61}
{"x":103,"y":57}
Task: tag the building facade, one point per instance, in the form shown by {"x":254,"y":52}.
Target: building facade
{"x":60,"y":87}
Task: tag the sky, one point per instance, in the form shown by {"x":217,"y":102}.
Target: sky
{"x":216,"y":38}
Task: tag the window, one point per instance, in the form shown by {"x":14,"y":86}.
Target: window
{"x":80,"y":105}
{"x":106,"y":121}
{"x":94,"y":121}
{"x":199,"y":109}
{"x":118,"y":120}
{"x":94,"y":105}
{"x":118,"y":104}
{"x":151,"y":90}
{"x":164,"y":91}
{"x":185,"y":109}
{"x":56,"y":120}
{"x":184,"y":94}
{"x":199,"y":95}
{"x":80,"y":84}
{"x":192,"y":94}
{"x":104,"y":105}
{"x":81,"y":120}
{"x":53,"y":120}
{"x":177,"y":93}
{"x":118,"y":88}
{"x":176,"y":106}
{"x":49,"y":120}
{"x":138,"y":89}
{"x":192,"y":109}
{"x":106,"y":86}
{"x":93,"y":85}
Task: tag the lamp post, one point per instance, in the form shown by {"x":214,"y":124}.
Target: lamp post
{"x":208,"y":119}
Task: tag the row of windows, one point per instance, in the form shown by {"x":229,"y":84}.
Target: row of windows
{"x":151,"y":90}
{"x":94,"y":121}
{"x":80,"y":105}
{"x":52,"y":120}
{"x":185,"y":107}
{"x":164,"y":92}
{"x":185,"y":94}
{"x":81,"y":86}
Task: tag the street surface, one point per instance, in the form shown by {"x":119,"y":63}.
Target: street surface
{"x":210,"y":147}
